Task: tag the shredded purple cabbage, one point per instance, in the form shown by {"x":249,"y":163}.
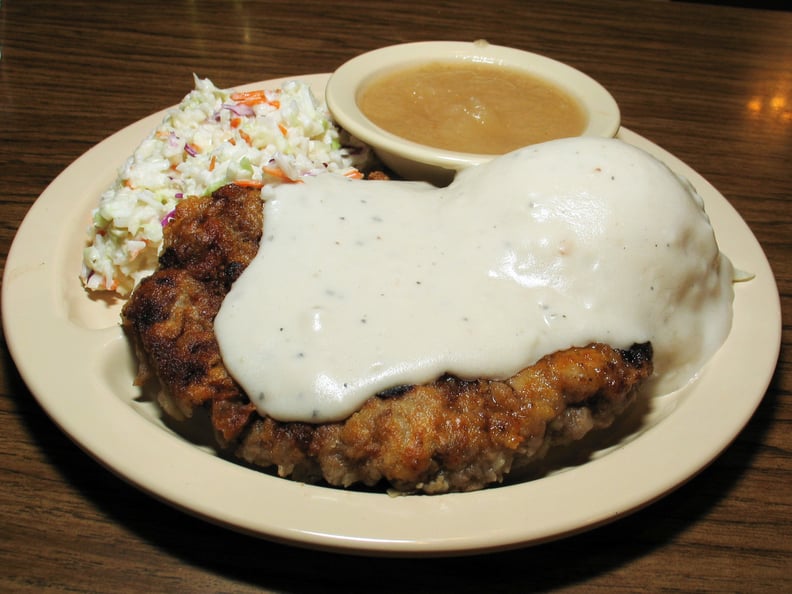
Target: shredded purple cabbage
{"x":169,"y":217}
{"x":239,"y":109}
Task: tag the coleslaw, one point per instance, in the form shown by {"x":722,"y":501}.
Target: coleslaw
{"x":212,"y":138}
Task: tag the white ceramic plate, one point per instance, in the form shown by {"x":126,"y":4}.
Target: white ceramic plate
{"x":71,"y":353}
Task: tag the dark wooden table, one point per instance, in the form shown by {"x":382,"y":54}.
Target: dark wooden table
{"x":711,"y":84}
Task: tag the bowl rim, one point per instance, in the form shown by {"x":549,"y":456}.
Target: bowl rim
{"x":604,"y":118}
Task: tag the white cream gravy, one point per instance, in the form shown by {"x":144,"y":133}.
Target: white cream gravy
{"x":361,"y":286}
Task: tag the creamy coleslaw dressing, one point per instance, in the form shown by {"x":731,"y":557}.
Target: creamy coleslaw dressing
{"x":362,"y":286}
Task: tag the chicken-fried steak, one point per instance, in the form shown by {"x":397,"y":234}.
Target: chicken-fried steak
{"x":450,"y":435}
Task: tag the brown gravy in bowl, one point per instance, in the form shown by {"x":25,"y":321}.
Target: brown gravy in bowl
{"x":471,"y":107}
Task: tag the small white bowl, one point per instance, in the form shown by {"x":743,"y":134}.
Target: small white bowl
{"x":412,"y":160}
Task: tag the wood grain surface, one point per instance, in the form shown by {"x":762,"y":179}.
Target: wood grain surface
{"x":711,"y":84}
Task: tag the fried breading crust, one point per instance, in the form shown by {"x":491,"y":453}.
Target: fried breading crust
{"x":456,"y":435}
{"x":450,"y":435}
{"x":170,"y":315}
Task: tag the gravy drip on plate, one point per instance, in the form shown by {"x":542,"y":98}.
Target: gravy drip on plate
{"x":362,"y":286}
